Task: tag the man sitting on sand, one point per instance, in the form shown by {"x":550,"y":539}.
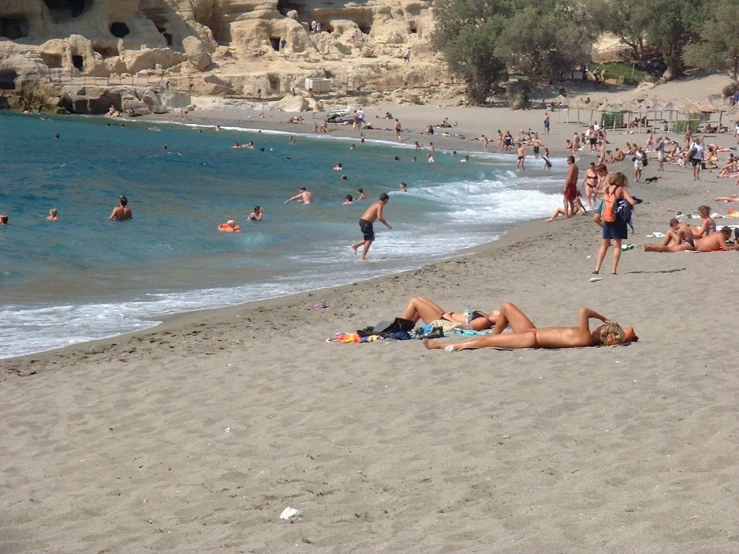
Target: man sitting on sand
{"x":121,"y":212}
{"x":713,"y":242}
{"x":427,"y":310}
{"x":678,"y":239}
{"x":526,"y":335}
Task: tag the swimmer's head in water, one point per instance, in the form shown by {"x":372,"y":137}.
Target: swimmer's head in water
{"x":360,"y":190}
{"x":302,"y":188}
{"x":123,"y":200}
{"x":3,"y":219}
{"x":349,"y":197}
{"x":53,"y":212}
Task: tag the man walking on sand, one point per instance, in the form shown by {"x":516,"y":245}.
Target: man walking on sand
{"x":570,"y":193}
{"x":370,"y":215}
{"x":546,"y":123}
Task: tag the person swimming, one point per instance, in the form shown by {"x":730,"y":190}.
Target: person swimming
{"x":257,"y":214}
{"x":229,"y":227}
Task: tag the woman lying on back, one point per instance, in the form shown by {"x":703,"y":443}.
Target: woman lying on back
{"x":422,"y":308}
{"x":526,"y":335}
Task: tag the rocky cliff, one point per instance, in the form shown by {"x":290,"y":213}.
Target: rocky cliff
{"x":261,"y":48}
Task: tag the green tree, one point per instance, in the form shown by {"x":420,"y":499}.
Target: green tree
{"x":545,"y":39}
{"x":718,"y":47}
{"x":662,"y":27}
{"x":467,"y":33}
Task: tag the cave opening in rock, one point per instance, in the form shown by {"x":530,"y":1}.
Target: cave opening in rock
{"x":365,"y":29}
{"x":284,"y":6}
{"x":166,"y":36}
{"x":104,"y":51}
{"x":13,"y":27}
{"x":78,"y":62}
{"x":119,"y":30}
{"x":53,"y":61}
{"x":61,"y":10}
{"x":275,"y":42}
{"x":413,"y":28}
{"x":7,"y":79}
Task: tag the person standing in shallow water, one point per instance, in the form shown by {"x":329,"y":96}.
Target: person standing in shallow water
{"x":370,"y":215}
{"x":121,"y":212}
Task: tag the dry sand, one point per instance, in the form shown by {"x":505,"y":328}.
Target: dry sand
{"x":194,"y":436}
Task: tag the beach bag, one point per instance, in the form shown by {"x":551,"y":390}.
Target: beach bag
{"x":609,"y":206}
{"x":397,"y":325}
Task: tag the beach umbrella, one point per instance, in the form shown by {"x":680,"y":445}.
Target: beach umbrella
{"x":560,"y":101}
{"x":579,"y":104}
{"x":670,"y":107}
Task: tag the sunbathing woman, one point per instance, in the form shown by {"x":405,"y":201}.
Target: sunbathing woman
{"x":526,"y":335}
{"x":422,"y":308}
{"x":709,"y":225}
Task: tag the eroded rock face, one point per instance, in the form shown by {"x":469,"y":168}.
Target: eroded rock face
{"x":265,"y":47}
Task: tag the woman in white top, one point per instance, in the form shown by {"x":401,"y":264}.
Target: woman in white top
{"x":696,"y":157}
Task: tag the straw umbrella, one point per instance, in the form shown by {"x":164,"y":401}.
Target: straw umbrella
{"x":670,"y":107}
{"x":579,"y":104}
{"x":561,"y":101}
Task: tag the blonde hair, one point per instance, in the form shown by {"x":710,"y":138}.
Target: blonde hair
{"x":612,"y":334}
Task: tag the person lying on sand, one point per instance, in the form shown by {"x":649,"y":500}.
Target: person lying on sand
{"x":427,"y":310}
{"x":734,"y":198}
{"x":526,"y":335}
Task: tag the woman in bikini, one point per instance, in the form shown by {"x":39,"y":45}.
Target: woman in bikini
{"x":591,"y":184}
{"x":424,"y":309}
{"x":709,"y":225}
{"x":526,"y":335}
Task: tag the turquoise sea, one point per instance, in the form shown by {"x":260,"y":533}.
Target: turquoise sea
{"x":85,"y":277}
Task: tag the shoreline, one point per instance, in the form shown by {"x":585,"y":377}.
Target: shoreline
{"x":197,"y":434}
{"x":446,"y":144}
{"x":226,"y":117}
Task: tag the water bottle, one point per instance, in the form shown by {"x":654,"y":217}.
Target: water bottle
{"x":467,"y":317}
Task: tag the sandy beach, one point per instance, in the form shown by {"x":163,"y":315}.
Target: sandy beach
{"x":195,"y":436}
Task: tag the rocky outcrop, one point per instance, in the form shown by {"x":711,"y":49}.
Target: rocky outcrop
{"x":222,"y":46}
{"x":197,"y":53}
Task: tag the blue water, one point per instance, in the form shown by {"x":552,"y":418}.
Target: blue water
{"x":85,"y":277}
